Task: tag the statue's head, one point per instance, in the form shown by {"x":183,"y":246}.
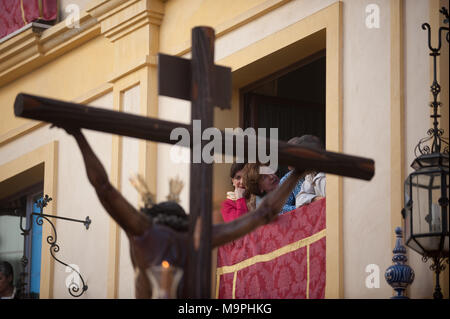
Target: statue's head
{"x":169,"y":214}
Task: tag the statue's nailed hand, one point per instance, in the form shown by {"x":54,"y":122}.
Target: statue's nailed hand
{"x":175,"y":187}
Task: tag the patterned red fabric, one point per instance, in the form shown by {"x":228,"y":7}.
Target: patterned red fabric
{"x":12,"y":16}
{"x":277,"y":273}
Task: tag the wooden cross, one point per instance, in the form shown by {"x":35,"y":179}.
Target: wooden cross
{"x":206,"y":85}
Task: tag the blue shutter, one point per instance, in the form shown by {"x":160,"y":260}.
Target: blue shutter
{"x":36,"y":247}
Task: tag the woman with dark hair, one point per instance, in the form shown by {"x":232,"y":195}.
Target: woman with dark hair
{"x":236,"y":204}
{"x":7,"y":289}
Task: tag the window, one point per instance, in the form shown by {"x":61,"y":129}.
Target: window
{"x":21,"y":248}
{"x":292,"y":100}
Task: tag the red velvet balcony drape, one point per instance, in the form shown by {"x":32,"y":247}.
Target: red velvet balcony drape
{"x":14,"y":14}
{"x":285,"y":259}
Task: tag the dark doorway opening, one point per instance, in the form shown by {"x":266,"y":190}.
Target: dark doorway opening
{"x":291,"y":100}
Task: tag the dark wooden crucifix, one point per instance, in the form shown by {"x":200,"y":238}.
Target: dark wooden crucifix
{"x":206,"y":85}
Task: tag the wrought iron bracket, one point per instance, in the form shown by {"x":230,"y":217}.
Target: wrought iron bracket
{"x":74,"y":289}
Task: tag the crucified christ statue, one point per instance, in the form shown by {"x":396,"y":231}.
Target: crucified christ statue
{"x":207,"y":86}
{"x":150,"y":242}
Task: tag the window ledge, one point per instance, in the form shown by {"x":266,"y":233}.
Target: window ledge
{"x":35,"y":26}
{"x":37,"y":44}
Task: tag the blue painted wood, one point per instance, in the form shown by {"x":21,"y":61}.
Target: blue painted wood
{"x":36,"y":248}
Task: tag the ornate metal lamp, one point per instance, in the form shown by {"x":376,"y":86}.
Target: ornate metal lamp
{"x":427,"y":188}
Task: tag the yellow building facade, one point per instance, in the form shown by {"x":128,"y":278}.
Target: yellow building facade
{"x":377,"y":95}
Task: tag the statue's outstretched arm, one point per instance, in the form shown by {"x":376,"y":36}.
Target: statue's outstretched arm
{"x":131,"y":221}
{"x":264,"y":214}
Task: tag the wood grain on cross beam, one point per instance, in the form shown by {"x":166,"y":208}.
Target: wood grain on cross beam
{"x":68,"y":114}
{"x":63,"y":114}
{"x":203,"y":100}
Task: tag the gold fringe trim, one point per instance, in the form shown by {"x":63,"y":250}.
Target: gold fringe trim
{"x":307,"y":272}
{"x":23,"y":12}
{"x":234,"y":285}
{"x":272,"y":255}
{"x":217,"y":286}
{"x":268,"y":257}
{"x":41,"y":13}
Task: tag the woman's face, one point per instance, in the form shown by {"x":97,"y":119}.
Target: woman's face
{"x":237,"y":179}
{"x":268,"y":182}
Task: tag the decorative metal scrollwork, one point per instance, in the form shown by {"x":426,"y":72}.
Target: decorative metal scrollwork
{"x":437,"y":266}
{"x":438,"y":142}
{"x":75,"y":290}
{"x":434,"y":134}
